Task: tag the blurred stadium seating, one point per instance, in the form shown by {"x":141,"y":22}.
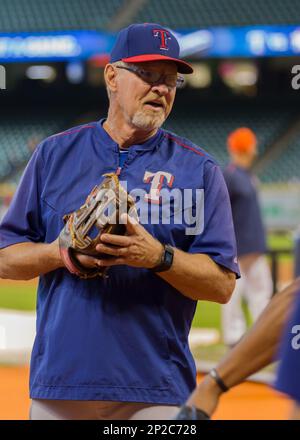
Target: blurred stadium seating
{"x":35,"y":16}
{"x":285,"y":166}
{"x":210,"y":127}
{"x":198,"y":13}
{"x":18,"y":137}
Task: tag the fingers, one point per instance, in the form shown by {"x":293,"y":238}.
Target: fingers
{"x":118,"y":240}
{"x":132,"y":225}
{"x":92,"y":262}
{"x":111,"y":262}
{"x":86,"y":260}
{"x":125,"y":218}
{"x":115,"y":251}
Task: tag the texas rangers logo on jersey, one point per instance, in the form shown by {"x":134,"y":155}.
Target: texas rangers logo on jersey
{"x":157,"y":180}
{"x":164,"y":37}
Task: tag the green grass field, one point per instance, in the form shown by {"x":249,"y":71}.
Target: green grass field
{"x":280,"y":241}
{"x":17,"y":297}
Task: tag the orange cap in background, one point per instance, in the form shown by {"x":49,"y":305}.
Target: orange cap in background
{"x":242,"y":140}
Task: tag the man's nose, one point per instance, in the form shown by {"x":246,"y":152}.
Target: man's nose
{"x":162,"y":89}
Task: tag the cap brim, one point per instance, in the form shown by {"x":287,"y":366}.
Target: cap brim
{"x":183,"y":67}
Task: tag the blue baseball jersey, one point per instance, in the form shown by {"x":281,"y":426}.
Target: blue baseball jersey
{"x":288,"y":378}
{"x":123,"y":338}
{"x":247,"y":219}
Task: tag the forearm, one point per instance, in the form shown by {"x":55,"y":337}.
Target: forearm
{"x":259,"y":346}
{"x":295,"y":415}
{"x":24,"y":261}
{"x":199,"y":277}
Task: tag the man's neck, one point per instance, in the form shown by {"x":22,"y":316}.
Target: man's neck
{"x":124,"y":134}
{"x":241,"y":163}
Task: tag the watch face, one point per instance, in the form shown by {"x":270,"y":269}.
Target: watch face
{"x":168,"y":257}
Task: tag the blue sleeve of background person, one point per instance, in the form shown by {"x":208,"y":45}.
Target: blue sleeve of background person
{"x":22,"y":222}
{"x":217,"y":239}
{"x":288,"y":377}
{"x":229,"y":180}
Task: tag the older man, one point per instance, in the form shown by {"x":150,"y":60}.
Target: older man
{"x":108,"y":347}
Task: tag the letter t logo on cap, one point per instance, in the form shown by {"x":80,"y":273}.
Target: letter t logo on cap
{"x":164,"y":37}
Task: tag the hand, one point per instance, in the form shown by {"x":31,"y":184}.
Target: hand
{"x":86,"y":260}
{"x":138,"y":248}
{"x":206,"y":396}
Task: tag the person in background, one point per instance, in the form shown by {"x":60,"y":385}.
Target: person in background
{"x":256,"y":350}
{"x":288,"y":378}
{"x":255,"y":285}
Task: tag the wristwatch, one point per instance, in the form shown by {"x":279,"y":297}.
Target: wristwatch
{"x":166,"y":259}
{"x":191,"y":413}
{"x":215,"y":375}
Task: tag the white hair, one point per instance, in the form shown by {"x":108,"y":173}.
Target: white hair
{"x":115,"y":64}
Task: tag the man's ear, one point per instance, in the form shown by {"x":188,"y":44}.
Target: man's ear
{"x":110,"y":77}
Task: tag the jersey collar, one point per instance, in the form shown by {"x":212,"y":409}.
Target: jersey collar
{"x":150,"y":144}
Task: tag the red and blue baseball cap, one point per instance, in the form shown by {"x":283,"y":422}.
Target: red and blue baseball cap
{"x":147,"y":42}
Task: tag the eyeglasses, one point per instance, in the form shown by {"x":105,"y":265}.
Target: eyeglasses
{"x":171,"y":80}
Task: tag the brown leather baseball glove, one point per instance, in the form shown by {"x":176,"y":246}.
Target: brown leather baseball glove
{"x":100,"y":214}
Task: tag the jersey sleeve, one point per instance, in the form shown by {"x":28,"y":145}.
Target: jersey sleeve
{"x":288,"y":378}
{"x":218,"y":238}
{"x":22,"y":222}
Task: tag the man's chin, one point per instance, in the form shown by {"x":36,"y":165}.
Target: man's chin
{"x":148,"y":122}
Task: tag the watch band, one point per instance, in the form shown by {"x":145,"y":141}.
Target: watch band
{"x":191,"y":413}
{"x":166,"y":259}
{"x":215,"y":375}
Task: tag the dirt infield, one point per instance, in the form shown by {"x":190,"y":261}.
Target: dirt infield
{"x":285,"y":273}
{"x":252,"y":401}
{"x":14,"y":400}
{"x":247,"y":401}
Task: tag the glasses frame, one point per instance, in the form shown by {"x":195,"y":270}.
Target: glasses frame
{"x":161,"y":79}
